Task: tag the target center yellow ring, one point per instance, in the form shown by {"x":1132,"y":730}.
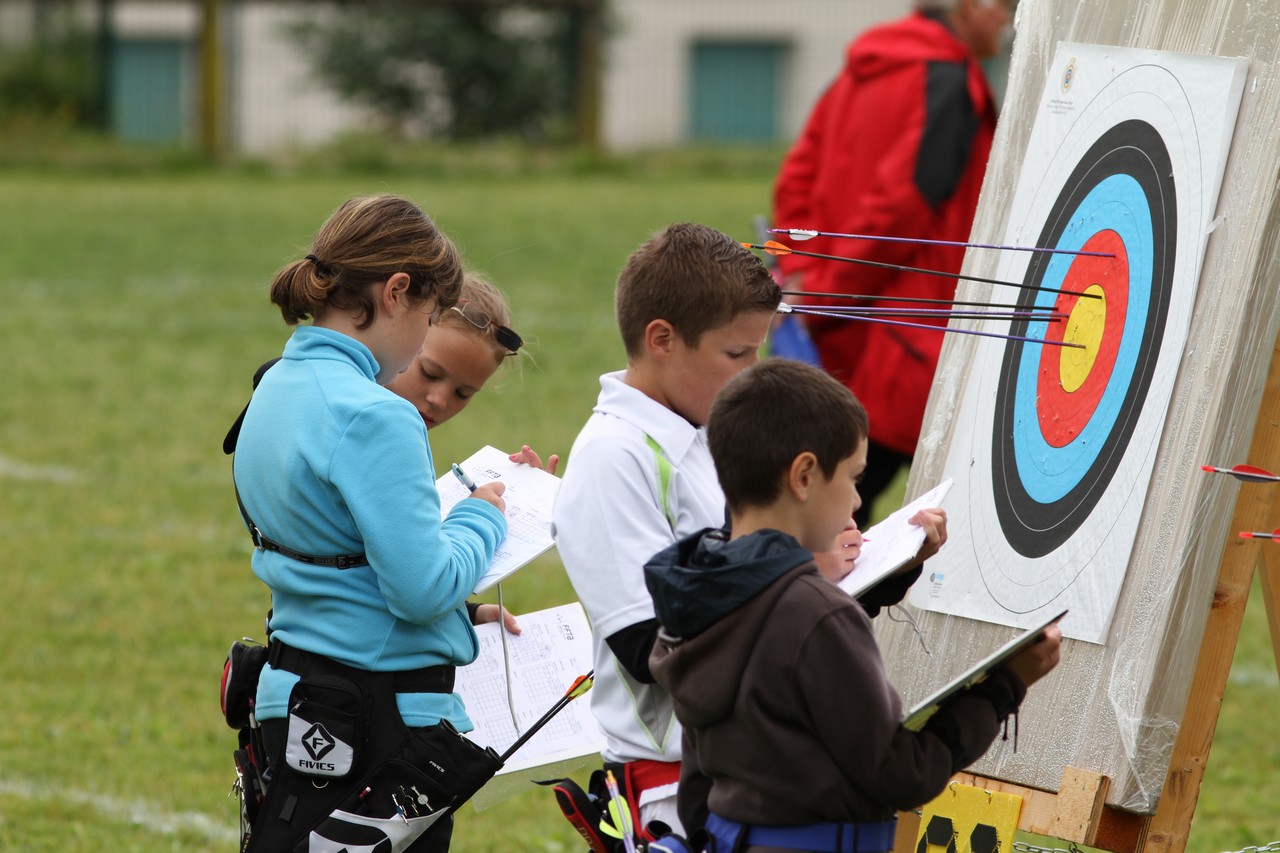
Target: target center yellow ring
{"x":1085,"y":326}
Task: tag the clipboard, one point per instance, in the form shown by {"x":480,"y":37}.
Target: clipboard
{"x":891,"y":544}
{"x":553,"y":647}
{"x":530,"y":494}
{"x":920,"y":714}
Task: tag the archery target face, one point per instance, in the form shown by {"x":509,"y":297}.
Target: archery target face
{"x":1065,"y":418}
{"x":1054,"y":446}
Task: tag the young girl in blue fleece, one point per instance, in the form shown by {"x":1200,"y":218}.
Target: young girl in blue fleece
{"x":463,"y":350}
{"x":336,"y":477}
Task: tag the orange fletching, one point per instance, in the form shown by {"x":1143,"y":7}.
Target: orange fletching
{"x":773,"y":247}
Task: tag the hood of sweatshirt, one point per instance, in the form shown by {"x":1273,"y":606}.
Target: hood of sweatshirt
{"x":889,"y":47}
{"x":711,"y":597}
{"x":703,"y":577}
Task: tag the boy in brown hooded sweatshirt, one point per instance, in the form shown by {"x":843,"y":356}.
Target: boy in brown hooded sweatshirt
{"x":775,"y":672}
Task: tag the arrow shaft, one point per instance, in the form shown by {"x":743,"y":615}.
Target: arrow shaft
{"x":804,"y":234}
{"x":920,"y":300}
{"x":946,"y":315}
{"x":572,"y":693}
{"x":1047,"y":316}
{"x":922,"y":271}
{"x":939,"y":328}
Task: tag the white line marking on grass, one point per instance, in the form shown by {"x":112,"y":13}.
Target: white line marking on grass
{"x":137,"y":812}
{"x":15,"y":470}
{"x":1263,"y":677}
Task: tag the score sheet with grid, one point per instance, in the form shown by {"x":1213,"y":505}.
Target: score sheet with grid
{"x":552,"y":649}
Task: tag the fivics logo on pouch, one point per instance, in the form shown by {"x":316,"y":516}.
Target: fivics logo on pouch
{"x":319,"y":747}
{"x":318,"y":743}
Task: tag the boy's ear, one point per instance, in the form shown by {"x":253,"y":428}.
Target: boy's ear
{"x":800,"y":476}
{"x":659,"y":338}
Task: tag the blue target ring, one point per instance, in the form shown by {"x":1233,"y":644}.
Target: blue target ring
{"x":1042,"y":494}
{"x":1118,"y":204}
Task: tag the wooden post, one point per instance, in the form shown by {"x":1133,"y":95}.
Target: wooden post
{"x":1171,"y":823}
{"x":212,"y":136}
{"x":589,"y":65}
{"x":104,"y":37}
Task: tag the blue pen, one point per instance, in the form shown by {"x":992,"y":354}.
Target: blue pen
{"x":462,"y":476}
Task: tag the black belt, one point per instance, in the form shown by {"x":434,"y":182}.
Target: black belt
{"x":428,"y":679}
{"x":339,"y":561}
{"x":260,"y":540}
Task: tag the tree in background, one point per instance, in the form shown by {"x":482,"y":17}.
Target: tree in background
{"x":458,"y":72}
{"x":52,"y":76}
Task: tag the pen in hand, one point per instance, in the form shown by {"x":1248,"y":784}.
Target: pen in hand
{"x":463,"y":478}
{"x":490,"y":493}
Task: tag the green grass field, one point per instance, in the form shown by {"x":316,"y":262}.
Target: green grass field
{"x":134,"y":315}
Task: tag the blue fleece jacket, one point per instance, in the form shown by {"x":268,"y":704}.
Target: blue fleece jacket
{"x":329,"y":462}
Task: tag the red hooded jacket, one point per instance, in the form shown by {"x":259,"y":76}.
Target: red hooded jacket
{"x":897,"y":146}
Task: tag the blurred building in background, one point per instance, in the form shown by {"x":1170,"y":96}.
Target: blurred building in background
{"x":678,"y":71}
{"x":644,"y":73}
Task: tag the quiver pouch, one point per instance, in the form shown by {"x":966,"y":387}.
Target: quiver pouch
{"x":240,"y":681}
{"x":435,"y":772}
{"x":328,"y":717}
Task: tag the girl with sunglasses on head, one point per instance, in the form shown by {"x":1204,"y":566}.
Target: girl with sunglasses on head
{"x":464,"y":348}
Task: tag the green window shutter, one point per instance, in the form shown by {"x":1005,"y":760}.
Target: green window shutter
{"x":736,"y":89}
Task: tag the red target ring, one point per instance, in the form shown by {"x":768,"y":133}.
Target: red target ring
{"x":1072,"y":381}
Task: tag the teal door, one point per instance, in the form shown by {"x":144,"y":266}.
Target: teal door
{"x":148,"y":98}
{"x":736,"y":88}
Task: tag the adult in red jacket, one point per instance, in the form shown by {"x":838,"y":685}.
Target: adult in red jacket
{"x":897,"y":146}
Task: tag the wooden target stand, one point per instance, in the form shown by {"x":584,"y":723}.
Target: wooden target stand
{"x":1077,"y":812}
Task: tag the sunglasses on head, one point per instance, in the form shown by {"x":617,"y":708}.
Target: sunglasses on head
{"x":481,"y":319}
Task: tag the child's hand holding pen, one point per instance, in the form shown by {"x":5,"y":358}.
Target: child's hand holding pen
{"x":489,"y":492}
{"x":838,"y":562}
{"x":492,"y":493}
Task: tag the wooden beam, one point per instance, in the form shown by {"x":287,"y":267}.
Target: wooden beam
{"x":588,"y":61}
{"x":1081,"y":797}
{"x":212,"y":131}
{"x":904,"y":837}
{"x":1171,"y":824}
{"x":104,"y":38}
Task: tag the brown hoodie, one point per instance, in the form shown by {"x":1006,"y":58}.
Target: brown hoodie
{"x":787,"y":710}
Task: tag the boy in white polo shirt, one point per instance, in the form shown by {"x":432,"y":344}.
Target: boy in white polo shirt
{"x":694,"y":308}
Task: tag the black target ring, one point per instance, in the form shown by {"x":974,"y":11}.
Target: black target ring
{"x":1031,"y":527}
